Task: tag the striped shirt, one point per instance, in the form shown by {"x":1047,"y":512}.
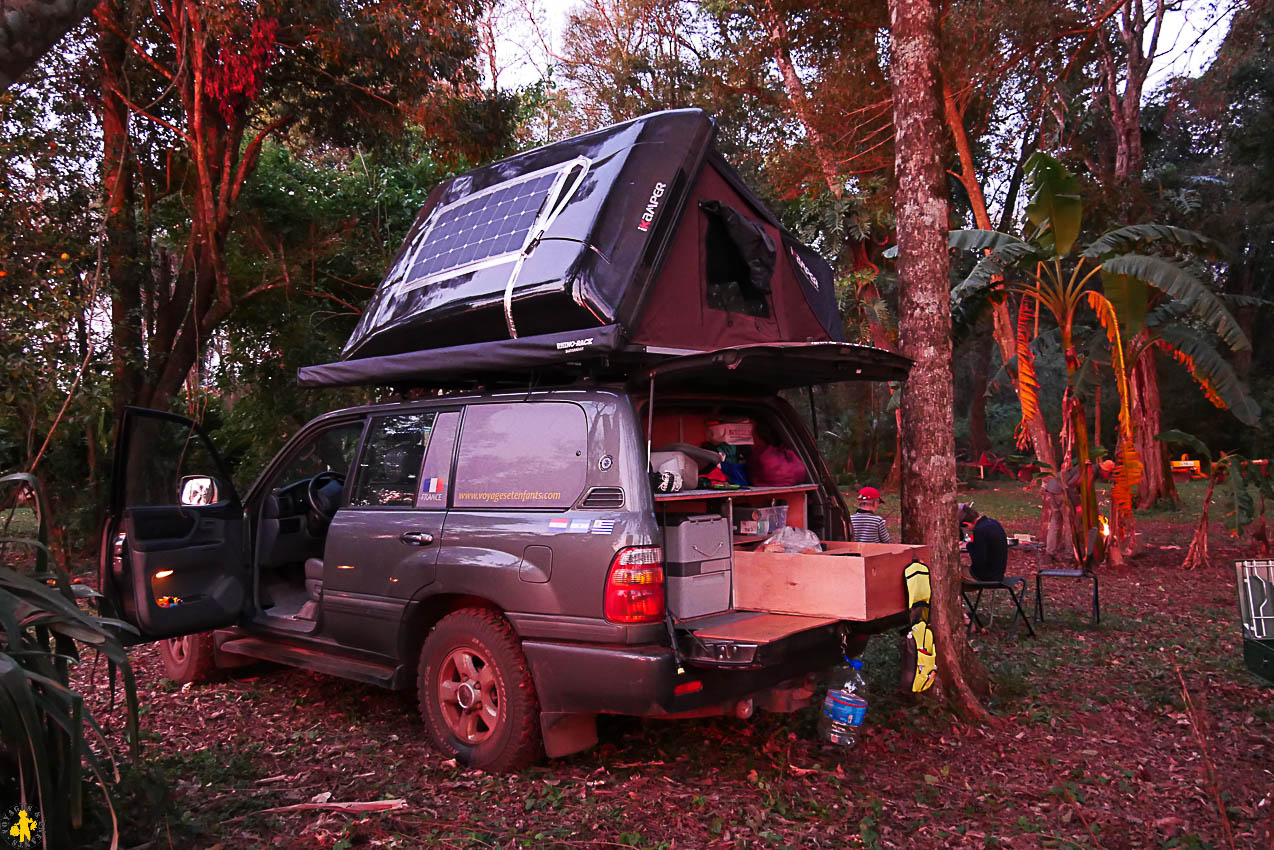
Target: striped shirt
{"x":869,"y":528}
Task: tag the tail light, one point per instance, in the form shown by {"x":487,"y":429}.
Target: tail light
{"x":635,"y":586}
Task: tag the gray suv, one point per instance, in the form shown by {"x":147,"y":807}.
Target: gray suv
{"x":504,"y":554}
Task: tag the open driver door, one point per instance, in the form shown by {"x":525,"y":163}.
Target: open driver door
{"x":173,"y":560}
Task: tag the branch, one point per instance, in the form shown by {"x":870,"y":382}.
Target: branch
{"x":249,"y":160}
{"x":142,"y":112}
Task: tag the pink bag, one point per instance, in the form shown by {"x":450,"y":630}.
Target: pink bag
{"x":774,"y":466}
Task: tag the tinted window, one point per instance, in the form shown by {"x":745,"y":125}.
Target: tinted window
{"x":331,"y":450}
{"x":521,"y":456}
{"x":161,"y":452}
{"x":389,"y":467}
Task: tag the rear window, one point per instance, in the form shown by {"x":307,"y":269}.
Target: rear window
{"x":525,"y":455}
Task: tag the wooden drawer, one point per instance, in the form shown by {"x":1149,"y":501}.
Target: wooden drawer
{"x":850,"y":581}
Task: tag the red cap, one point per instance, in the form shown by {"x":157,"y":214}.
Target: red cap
{"x":869,"y":493}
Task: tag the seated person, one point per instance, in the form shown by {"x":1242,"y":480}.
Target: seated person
{"x":988,"y":545}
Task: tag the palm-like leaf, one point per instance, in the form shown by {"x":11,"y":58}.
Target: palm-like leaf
{"x":42,"y":720}
{"x":979,"y":240}
{"x":1128,"y":470}
{"x":1028,"y":386}
{"x":1055,"y":207}
{"x":1176,"y":282}
{"x":1184,"y":438}
{"x":999,"y":263}
{"x":1124,"y":239}
{"x":1220,"y":383}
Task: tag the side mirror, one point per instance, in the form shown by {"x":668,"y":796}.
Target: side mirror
{"x":198,"y":490}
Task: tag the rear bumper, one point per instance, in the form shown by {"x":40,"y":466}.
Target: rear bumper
{"x":642,"y":680}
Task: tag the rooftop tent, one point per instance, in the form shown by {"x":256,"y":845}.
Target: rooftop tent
{"x":639,"y":237}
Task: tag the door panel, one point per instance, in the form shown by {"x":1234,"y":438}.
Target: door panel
{"x":172,"y":569}
{"x":382,"y":547}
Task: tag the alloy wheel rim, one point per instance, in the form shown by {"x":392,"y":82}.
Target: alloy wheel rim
{"x":179,"y":648}
{"x":469,"y":695}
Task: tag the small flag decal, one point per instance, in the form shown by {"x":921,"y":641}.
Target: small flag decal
{"x":603,"y":526}
{"x":560,"y":523}
{"x":579,"y":526}
{"x":434,"y":485}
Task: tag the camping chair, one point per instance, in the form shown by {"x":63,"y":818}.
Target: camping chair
{"x":1016,"y":588}
{"x":1086,"y":573}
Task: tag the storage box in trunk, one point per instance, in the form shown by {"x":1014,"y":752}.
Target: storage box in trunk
{"x":697,"y":565}
{"x":850,"y":581}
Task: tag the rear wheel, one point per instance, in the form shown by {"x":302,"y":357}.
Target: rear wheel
{"x":188,"y":659}
{"x":476,"y":694}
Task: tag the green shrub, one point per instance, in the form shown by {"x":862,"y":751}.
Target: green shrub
{"x":43,"y":630}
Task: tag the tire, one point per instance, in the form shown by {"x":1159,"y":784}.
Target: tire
{"x":188,"y":659}
{"x":476,"y":694}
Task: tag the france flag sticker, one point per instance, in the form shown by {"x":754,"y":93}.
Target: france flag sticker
{"x":434,"y":485}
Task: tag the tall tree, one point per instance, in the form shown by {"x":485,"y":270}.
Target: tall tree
{"x":928,"y":430}
{"x":29,"y":28}
{"x":207,"y":85}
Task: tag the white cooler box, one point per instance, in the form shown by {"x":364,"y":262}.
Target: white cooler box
{"x":697,"y":552}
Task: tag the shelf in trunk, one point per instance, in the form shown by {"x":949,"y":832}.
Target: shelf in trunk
{"x":685,"y":495}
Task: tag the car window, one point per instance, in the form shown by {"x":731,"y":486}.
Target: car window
{"x":389,"y":467}
{"x":332,"y":450}
{"x":527,"y":455}
{"x":163,"y":452}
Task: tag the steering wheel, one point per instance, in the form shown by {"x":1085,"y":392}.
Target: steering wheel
{"x":323,"y":504}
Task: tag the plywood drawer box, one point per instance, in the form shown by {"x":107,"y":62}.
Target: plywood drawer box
{"x":850,"y":581}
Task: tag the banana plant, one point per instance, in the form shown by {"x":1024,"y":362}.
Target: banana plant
{"x":1238,"y":477}
{"x":46,"y":730}
{"x":1113,"y":280}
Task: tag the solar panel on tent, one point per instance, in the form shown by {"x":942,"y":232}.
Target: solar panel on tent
{"x":484,"y":226}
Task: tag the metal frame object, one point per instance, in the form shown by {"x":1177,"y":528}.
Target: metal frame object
{"x":1256,"y":613}
{"x":1256,"y":598}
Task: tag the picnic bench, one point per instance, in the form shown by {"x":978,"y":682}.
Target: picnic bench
{"x":1187,"y":468}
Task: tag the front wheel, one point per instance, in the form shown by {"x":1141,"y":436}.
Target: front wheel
{"x":476,"y":694}
{"x":188,"y":659}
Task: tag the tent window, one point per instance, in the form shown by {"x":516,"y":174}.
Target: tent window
{"x":739,"y":261}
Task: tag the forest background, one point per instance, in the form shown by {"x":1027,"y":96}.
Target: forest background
{"x":198,"y":197}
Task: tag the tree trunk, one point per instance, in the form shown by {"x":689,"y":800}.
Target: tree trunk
{"x":982,"y":342}
{"x":29,"y":28}
{"x":928,"y":434}
{"x":124,"y":266}
{"x":1147,"y":416}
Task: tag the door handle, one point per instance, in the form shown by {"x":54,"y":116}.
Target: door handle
{"x":416,"y":538}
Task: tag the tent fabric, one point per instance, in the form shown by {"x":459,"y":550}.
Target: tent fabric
{"x":638,"y":232}
{"x":753,"y":243}
{"x":678,"y":313}
{"x":442,"y":366}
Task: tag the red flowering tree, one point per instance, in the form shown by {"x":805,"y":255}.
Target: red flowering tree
{"x":191,"y":90}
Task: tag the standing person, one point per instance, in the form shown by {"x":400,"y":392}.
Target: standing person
{"x":988,"y":545}
{"x":868,"y":526}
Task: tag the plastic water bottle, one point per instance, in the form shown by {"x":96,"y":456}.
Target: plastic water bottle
{"x":844,"y":706}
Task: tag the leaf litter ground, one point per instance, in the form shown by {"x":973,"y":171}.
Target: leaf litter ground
{"x":1092,"y":746}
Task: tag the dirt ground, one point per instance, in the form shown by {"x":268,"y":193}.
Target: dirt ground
{"x":1093,"y":745}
